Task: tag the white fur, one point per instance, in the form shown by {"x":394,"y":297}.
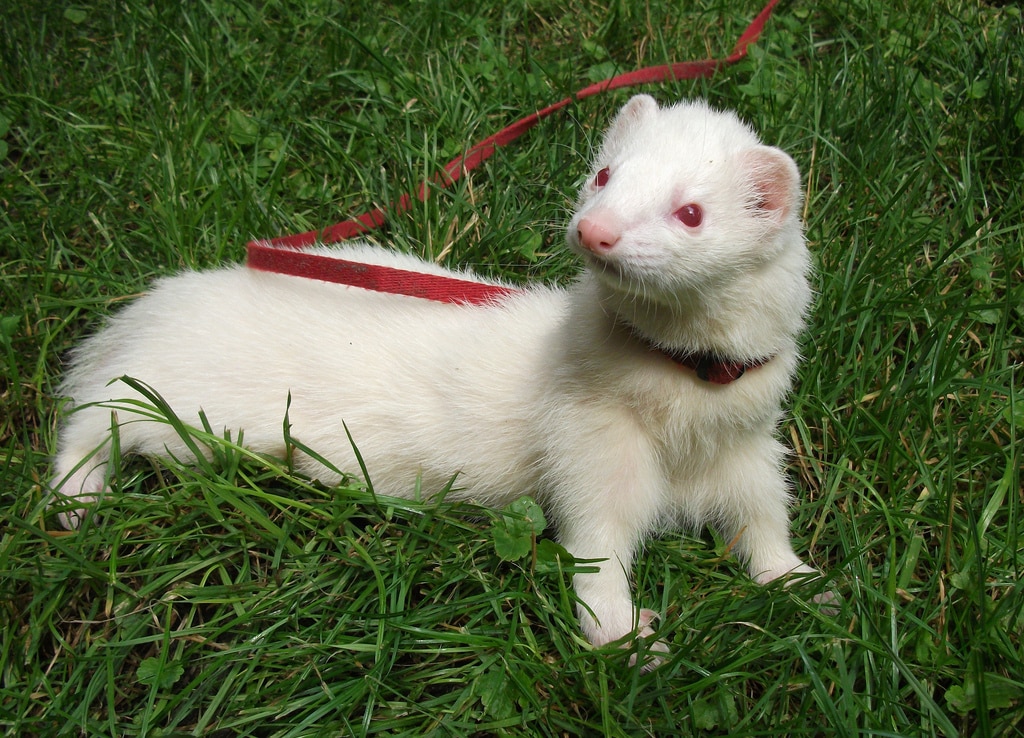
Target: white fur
{"x":545,"y":392}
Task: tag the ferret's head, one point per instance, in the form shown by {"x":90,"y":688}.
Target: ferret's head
{"x":682,"y":200}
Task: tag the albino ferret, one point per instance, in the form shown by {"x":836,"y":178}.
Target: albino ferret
{"x":643,"y":397}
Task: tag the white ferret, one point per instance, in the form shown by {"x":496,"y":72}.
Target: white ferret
{"x":643,"y":397}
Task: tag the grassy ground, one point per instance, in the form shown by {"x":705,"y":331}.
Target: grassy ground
{"x":138,"y":138}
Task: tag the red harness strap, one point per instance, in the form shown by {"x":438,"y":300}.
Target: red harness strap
{"x":373,"y":276}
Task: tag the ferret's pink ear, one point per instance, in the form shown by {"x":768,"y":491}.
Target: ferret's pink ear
{"x":637,"y":107}
{"x":774,"y":180}
{"x":630,"y":115}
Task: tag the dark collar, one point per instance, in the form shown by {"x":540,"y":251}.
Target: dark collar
{"x":708,"y":366}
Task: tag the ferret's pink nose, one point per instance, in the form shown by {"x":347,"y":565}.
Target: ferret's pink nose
{"x":597,"y":234}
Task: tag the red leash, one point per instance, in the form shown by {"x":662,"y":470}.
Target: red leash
{"x":284,"y":255}
{"x":272,"y":257}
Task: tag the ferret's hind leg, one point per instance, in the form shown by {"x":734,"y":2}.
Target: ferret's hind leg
{"x":74,"y":494}
{"x":80,"y":467}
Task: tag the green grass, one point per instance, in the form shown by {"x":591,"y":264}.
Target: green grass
{"x":237,"y":599}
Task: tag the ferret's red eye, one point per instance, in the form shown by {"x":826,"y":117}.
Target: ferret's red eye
{"x":602,"y":177}
{"x":690,"y":215}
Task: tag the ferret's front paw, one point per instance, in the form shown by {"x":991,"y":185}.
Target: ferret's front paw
{"x":787,"y":570}
{"x":829,"y":600}
{"x":652,"y":652}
